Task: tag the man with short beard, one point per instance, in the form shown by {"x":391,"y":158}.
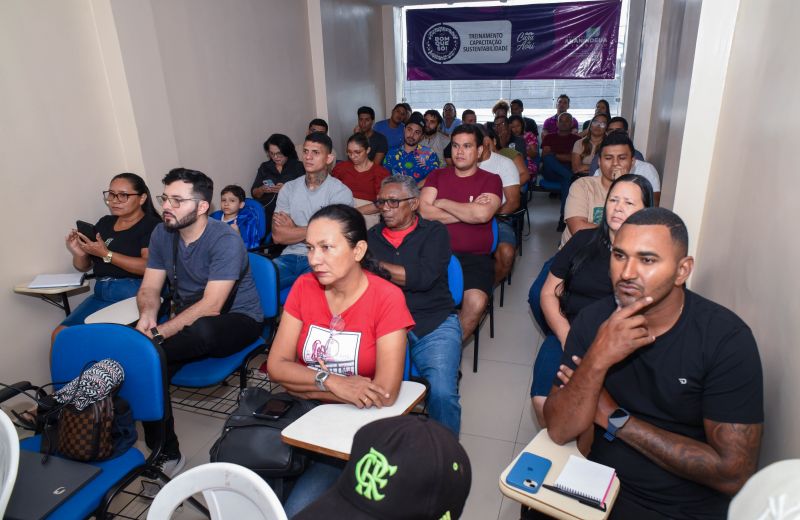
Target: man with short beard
{"x":431,"y":136}
{"x":411,"y":158}
{"x":216,"y":309}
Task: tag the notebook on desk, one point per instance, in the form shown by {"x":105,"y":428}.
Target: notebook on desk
{"x":40,"y":488}
{"x":586,"y":479}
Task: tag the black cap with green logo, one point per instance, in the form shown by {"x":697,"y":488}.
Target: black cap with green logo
{"x":406,"y":467}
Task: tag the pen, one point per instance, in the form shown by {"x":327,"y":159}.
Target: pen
{"x":586,"y":501}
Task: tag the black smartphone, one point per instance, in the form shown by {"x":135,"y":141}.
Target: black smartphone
{"x":273,"y":409}
{"x":86,"y":229}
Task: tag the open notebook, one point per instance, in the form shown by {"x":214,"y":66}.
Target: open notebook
{"x":586,"y":479}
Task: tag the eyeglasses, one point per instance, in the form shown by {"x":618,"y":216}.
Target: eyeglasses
{"x":276,"y":155}
{"x":330,"y":349}
{"x":174,"y":202}
{"x":392,"y":203}
{"x":599,"y":124}
{"x":121,"y":196}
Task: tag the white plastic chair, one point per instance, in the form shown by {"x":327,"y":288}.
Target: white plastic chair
{"x":9,"y":460}
{"x":771,"y":494}
{"x":231,"y":492}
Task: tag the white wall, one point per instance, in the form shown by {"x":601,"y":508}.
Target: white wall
{"x":91,"y":88}
{"x":352,"y":33}
{"x":747,"y":255}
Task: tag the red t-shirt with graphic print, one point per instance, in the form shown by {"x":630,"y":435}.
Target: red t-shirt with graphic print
{"x":348,"y":344}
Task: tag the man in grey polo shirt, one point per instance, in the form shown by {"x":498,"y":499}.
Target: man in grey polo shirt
{"x":298,"y":200}
{"x":217,"y":311}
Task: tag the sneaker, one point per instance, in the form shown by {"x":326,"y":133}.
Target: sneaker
{"x":170,"y":465}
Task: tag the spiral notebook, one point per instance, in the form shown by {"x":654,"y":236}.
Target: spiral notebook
{"x":584,"y":478}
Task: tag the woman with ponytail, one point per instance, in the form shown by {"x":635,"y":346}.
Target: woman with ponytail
{"x":345,"y":323}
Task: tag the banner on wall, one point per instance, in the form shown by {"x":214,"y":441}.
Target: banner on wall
{"x":572,"y":40}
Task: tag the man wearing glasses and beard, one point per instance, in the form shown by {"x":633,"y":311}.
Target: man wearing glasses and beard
{"x":216,"y":310}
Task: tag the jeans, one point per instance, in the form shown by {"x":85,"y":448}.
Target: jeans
{"x":290,"y":268}
{"x":107,"y":291}
{"x":437,"y":356}
{"x":318,"y":478}
{"x":553,"y":170}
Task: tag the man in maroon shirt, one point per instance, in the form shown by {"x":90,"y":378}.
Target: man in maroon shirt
{"x":465,"y":198}
{"x":557,"y":158}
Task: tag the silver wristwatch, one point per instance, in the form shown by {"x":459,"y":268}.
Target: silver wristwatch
{"x":320,"y":379}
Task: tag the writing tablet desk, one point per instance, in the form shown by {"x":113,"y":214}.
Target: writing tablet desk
{"x":123,"y":312}
{"x":57,"y":296}
{"x":329,"y":428}
{"x":550,"y":502}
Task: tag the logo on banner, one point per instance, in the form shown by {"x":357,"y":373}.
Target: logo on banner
{"x":441,"y":43}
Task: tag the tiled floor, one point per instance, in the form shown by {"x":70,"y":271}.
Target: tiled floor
{"x":497,"y":419}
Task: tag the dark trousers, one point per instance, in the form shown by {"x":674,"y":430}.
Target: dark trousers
{"x":553,"y":170}
{"x":211,"y":336}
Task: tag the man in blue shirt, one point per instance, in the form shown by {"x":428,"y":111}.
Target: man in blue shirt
{"x":412,"y":158}
{"x":393,"y":127}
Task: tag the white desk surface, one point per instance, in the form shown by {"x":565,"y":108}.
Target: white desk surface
{"x":330,"y":428}
{"x":24,"y":289}
{"x":123,"y":312}
{"x":550,"y":502}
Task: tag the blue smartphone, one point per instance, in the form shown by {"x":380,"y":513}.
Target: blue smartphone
{"x":529,"y":472}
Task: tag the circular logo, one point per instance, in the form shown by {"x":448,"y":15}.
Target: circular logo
{"x":441,"y":43}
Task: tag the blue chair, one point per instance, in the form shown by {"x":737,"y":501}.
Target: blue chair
{"x":144,"y":388}
{"x":455,"y":280}
{"x":257,"y":210}
{"x":215,"y":371}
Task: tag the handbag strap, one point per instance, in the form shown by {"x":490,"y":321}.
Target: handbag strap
{"x":173,"y":289}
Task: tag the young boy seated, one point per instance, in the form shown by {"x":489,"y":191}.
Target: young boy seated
{"x":235,"y":213}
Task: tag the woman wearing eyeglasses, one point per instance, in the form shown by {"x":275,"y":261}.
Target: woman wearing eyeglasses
{"x":362,"y":176}
{"x":342,"y":335}
{"x":584,"y":149}
{"x":283,"y":166}
{"x":118,"y":253}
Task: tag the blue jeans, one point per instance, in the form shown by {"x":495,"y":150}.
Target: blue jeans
{"x":107,"y":291}
{"x":318,"y":478}
{"x":553,"y":170}
{"x":290,"y":267}
{"x":437,"y":356}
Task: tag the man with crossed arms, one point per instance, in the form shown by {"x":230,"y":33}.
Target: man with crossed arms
{"x":668,"y":383}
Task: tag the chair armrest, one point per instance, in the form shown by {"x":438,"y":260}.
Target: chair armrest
{"x":14,"y":389}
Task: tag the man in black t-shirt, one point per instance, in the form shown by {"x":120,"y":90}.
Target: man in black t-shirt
{"x":668,"y":383}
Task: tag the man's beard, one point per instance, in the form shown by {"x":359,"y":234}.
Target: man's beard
{"x":411,"y":143}
{"x":429,"y":132}
{"x":186,"y":221}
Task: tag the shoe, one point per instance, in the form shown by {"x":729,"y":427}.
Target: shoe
{"x":561,"y":226}
{"x":169,"y":465}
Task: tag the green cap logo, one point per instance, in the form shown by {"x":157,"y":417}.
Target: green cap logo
{"x":371,"y":472}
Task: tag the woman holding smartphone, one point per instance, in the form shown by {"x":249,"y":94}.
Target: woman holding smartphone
{"x":117,"y":253}
{"x":283,"y":166}
{"x":342,"y":335}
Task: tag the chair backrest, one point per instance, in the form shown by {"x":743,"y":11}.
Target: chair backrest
{"x":455,"y":278}
{"x":144,"y":387}
{"x":231,"y":492}
{"x":495,"y":234}
{"x":261,"y":218}
{"x":265,"y":276}
{"x":9,"y":460}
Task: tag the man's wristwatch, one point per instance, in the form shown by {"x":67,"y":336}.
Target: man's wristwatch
{"x":320,"y":379}
{"x":107,"y":258}
{"x":157,"y":337}
{"x":616,"y":420}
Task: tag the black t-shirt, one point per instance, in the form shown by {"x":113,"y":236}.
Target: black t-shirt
{"x":590,"y":282}
{"x":129,"y":242}
{"x":377,"y":144}
{"x":706,"y":367}
{"x":267,"y":171}
{"x":530,"y":126}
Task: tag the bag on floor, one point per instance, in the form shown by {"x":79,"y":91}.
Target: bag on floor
{"x":255,"y":443}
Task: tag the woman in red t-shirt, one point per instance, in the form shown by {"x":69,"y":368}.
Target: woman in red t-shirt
{"x":362,"y":176}
{"x":342,"y":336}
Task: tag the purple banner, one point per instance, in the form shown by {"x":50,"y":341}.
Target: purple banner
{"x":575,"y":40}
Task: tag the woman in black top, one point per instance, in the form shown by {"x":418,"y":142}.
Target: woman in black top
{"x":282,"y":167}
{"x":579,"y":277}
{"x":118,"y":253}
